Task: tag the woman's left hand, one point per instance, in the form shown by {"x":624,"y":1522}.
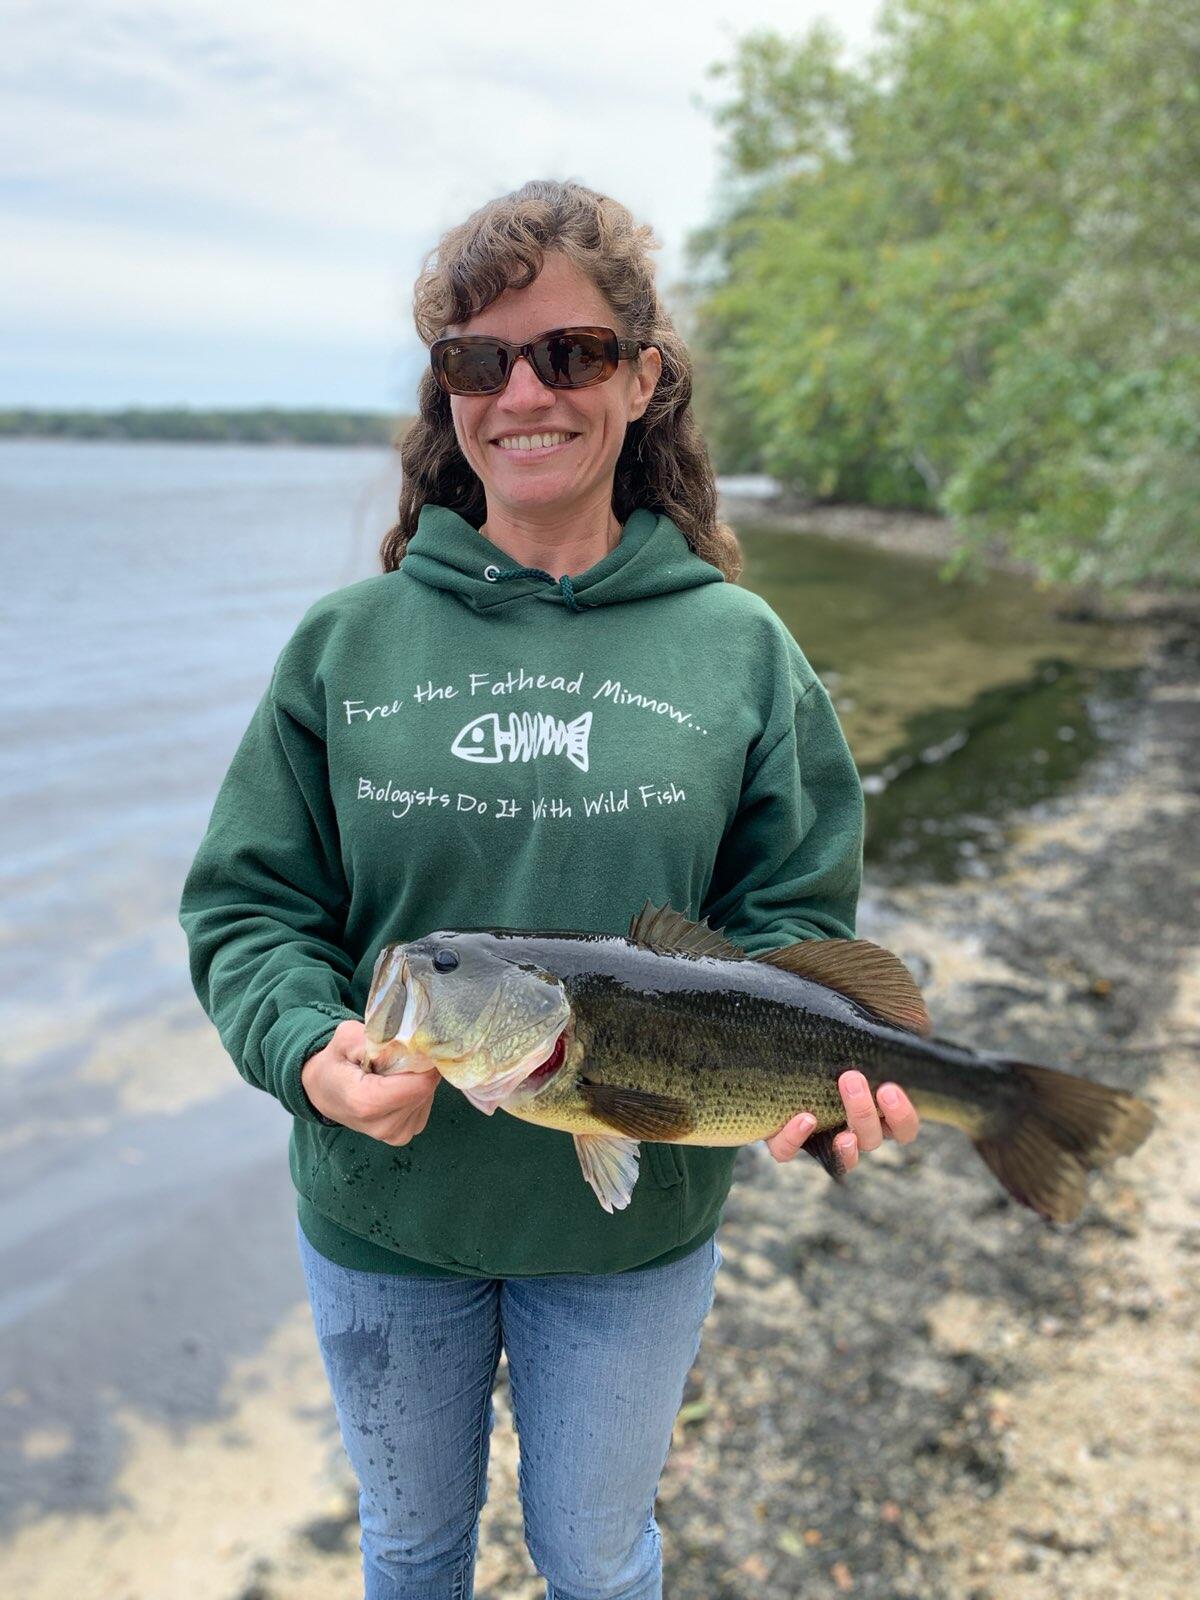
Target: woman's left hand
{"x":868,"y":1124}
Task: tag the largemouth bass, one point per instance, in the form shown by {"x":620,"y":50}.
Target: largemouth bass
{"x":674,"y":1034}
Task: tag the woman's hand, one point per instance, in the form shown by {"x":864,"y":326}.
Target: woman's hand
{"x":393,"y":1108}
{"x":868,"y":1124}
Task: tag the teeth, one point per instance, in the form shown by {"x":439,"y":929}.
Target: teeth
{"x":533,"y":441}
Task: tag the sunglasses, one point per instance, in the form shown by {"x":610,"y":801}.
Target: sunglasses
{"x":564,"y":358}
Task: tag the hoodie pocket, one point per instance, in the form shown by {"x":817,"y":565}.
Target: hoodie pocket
{"x":326,"y":1138}
{"x":665,"y":1167}
{"x":665,"y":1164}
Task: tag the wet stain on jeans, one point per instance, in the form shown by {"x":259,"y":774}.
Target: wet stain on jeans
{"x":359,"y":1354}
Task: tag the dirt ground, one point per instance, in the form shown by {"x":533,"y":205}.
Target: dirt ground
{"x":929,"y":1392}
{"x":908,"y":1386}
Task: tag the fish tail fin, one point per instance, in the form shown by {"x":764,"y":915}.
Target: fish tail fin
{"x":577,"y":739}
{"x":1059,"y":1129}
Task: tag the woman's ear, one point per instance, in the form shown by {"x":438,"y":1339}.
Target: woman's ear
{"x":645,"y":380}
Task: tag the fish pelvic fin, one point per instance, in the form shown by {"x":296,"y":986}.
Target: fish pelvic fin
{"x":610,"y":1165}
{"x":1060,"y":1130}
{"x":637,"y":1113}
{"x":864,"y":972}
{"x":662,"y":928}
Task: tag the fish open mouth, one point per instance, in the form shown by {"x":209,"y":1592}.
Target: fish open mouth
{"x":416,"y":1007}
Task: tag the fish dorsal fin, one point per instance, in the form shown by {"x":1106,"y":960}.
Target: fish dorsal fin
{"x":661,"y":928}
{"x":864,"y":972}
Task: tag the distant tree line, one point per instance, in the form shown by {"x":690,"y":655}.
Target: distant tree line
{"x":965,"y":275}
{"x":262,"y":425}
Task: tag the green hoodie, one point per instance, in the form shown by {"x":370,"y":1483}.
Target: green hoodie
{"x":463,"y":742}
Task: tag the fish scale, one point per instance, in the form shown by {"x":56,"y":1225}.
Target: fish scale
{"x":742,"y":1061}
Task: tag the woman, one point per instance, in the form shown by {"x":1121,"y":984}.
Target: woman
{"x":552,"y":705}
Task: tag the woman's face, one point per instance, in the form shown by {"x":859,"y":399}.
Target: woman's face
{"x":577,"y":472}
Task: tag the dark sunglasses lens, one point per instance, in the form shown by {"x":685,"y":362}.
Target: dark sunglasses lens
{"x":474,"y":368}
{"x":572,"y":360}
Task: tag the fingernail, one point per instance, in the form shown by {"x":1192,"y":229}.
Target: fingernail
{"x":806,"y":1125}
{"x":889,"y":1094}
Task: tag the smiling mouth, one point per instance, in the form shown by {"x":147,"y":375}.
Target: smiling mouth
{"x":533,"y":452}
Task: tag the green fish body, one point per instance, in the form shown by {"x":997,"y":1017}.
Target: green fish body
{"x":674,"y":1035}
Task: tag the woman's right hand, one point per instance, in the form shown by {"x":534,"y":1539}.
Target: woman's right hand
{"x":393,"y":1107}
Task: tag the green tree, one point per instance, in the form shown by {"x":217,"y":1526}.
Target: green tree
{"x":963,"y":274}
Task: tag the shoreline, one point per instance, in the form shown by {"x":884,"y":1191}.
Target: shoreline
{"x":915,"y":1388}
{"x":931,"y":538}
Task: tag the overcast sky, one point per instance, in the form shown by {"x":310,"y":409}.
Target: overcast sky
{"x":226,"y":201}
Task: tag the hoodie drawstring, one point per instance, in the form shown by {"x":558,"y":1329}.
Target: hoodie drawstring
{"x":563,"y":584}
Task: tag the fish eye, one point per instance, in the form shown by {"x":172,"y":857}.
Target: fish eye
{"x":445,"y":960}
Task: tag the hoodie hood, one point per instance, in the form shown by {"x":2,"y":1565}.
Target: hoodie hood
{"x":652,"y":557}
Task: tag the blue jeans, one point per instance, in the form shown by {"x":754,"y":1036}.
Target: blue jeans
{"x":596,"y":1366}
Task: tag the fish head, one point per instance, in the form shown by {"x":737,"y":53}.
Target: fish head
{"x":485,"y":1020}
{"x":480,"y":740}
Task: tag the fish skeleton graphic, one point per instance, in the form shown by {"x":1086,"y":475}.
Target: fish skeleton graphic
{"x":529,"y":734}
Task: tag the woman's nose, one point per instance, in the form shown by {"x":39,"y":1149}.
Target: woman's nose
{"x":525,"y":386}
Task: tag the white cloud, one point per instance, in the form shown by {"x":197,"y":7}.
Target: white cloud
{"x":137,"y":279}
{"x":273,"y":169}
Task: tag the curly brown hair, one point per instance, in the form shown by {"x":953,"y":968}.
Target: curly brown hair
{"x":664,"y":464}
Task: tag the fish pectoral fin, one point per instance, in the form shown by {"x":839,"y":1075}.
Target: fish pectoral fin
{"x":636,"y":1112}
{"x":822,"y":1148}
{"x":864,"y":972}
{"x":610,"y":1165}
